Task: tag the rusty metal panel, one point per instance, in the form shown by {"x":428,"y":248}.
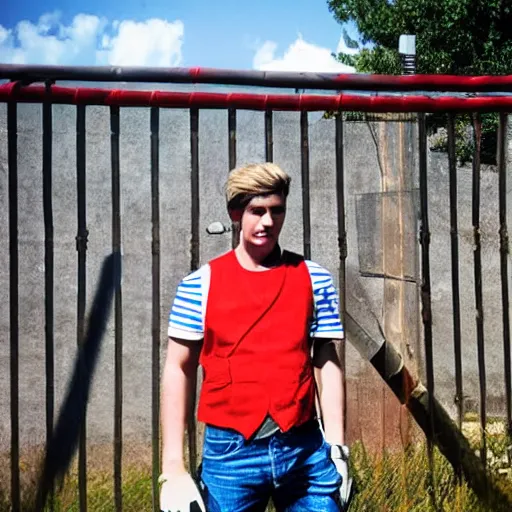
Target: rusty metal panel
{"x":387,"y":225}
{"x":371,"y":233}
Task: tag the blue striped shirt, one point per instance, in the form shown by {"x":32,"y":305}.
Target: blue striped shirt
{"x":186,"y":318}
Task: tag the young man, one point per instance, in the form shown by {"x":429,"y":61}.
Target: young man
{"x":262,"y":323}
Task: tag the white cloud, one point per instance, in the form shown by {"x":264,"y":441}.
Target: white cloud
{"x":154,"y":42}
{"x":264,"y":54}
{"x":89,"y":39}
{"x":299,"y":56}
{"x":4,"y":34}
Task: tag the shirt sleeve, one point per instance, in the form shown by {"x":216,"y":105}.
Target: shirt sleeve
{"x":186,"y":317}
{"x":326,"y":318}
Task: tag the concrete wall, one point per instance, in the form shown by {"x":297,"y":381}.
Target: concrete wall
{"x":363,"y":293}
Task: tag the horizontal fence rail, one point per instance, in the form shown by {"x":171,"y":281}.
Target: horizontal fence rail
{"x":419,"y":398}
{"x":279,"y":79}
{"x":305,"y":102}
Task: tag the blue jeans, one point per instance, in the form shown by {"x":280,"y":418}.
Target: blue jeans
{"x":293,"y":468}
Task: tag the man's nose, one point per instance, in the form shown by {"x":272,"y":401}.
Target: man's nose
{"x":267,"y":220}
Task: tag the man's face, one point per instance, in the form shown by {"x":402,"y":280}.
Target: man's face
{"x":262,"y":220}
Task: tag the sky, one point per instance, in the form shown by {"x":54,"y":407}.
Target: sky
{"x":283,"y":35}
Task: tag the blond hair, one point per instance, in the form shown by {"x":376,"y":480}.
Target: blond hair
{"x":254,"y":180}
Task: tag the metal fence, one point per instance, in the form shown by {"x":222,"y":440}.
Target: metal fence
{"x":24,"y":86}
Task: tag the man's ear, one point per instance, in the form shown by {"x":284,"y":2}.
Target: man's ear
{"x":235,"y":215}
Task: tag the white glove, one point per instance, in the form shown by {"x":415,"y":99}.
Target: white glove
{"x":340,"y":455}
{"x":178,"y":492}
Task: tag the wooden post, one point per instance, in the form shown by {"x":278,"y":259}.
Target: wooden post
{"x":399,"y":255}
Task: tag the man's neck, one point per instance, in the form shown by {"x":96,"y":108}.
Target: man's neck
{"x":255,"y":260}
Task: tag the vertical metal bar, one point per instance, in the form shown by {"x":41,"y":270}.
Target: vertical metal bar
{"x":452,"y":163}
{"x":235,"y":235}
{"x":269,"y":136}
{"x":502,"y":174}
{"x":194,"y":265}
{"x":306,"y":211}
{"x":194,"y":176}
{"x":48,"y":270}
{"x":155,"y":319}
{"x":118,"y":350}
{"x":81,"y":247}
{"x":426,"y":293}
{"x":342,"y":248}
{"x":12,"y":148}
{"x":477,"y":257}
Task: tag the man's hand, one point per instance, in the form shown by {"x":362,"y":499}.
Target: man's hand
{"x":340,"y":455}
{"x":178,"y":493}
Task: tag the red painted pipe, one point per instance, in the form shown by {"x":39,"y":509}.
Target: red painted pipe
{"x":294,"y":102}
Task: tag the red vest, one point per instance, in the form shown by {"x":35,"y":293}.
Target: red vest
{"x":256,"y":352}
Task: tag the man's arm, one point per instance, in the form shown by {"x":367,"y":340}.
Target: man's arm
{"x":329,"y":376}
{"x":329,"y":379}
{"x":178,"y":381}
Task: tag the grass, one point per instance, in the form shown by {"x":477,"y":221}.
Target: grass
{"x":403,"y":483}
{"x":386,"y":482}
